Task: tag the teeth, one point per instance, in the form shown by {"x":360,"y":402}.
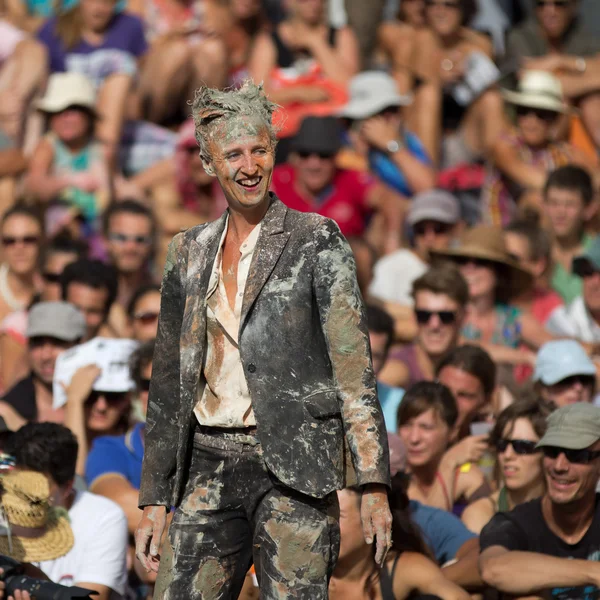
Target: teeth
{"x":250,"y":182}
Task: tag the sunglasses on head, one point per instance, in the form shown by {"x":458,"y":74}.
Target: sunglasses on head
{"x":144,"y":385}
{"x":304,"y":154}
{"x":447,"y":317}
{"x":145,"y":318}
{"x":8,"y":240}
{"x":555,"y":3}
{"x":437,"y":228}
{"x":51,"y":277}
{"x":579,"y":457}
{"x":547,"y":116}
{"x":518,"y":446}
{"x":121,"y":238}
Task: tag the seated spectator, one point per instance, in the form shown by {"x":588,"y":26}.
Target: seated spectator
{"x":568,"y":207}
{"x":455,"y":128}
{"x":114,"y":463}
{"x":143,"y":311}
{"x":518,"y":429}
{"x":305,"y":63}
{"x":549,"y":546}
{"x":97,"y":559}
{"x":470,"y":374}
{"x":379,"y":138}
{"x":311,"y":182}
{"x":581,"y":318}
{"x":381,"y":335}
{"x":522,"y":159}
{"x":409,"y":568}
{"x":530,"y":246}
{"x":91,"y":286}
{"x":440,"y":297}
{"x":564,"y":374}
{"x":556,"y":39}
{"x":434,"y":217}
{"x":495,"y":279}
{"x":426,"y":419}
{"x":52,"y":327}
{"x":68,"y":165}
{"x":30,"y":15}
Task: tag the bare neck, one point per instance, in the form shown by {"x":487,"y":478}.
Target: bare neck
{"x":521,"y":496}
{"x":570,"y":521}
{"x":23,"y":286}
{"x":241,"y":224}
{"x":482,"y":305}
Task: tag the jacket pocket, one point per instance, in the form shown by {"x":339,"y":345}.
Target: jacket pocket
{"x":322,"y":404}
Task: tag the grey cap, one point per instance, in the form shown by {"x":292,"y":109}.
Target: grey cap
{"x":434,"y":205}
{"x":574,"y":427}
{"x":59,"y":320}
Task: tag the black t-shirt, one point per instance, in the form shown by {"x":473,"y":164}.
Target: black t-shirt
{"x":524,"y":529}
{"x":22,"y":398}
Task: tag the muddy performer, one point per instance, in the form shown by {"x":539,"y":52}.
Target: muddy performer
{"x":263,"y":397}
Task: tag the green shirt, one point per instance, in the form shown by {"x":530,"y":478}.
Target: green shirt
{"x":566,"y":283}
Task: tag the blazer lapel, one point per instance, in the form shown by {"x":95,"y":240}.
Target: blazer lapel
{"x":271,"y":242}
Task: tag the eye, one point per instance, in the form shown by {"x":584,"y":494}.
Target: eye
{"x":260,"y":151}
{"x":233,"y":155}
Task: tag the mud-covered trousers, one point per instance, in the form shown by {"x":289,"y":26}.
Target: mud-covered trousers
{"x":234,"y":512}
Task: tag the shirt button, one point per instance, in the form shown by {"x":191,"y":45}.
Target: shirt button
{"x":240,"y":294}
{"x":251,"y":368}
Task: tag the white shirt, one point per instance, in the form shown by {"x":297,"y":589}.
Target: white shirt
{"x":574,"y":321}
{"x":100,"y":550}
{"x":394,"y":275}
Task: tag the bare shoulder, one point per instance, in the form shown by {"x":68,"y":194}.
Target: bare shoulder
{"x":478,"y":514}
{"x":478,"y":41}
{"x":394,"y":33}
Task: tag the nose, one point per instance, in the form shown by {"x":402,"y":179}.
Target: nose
{"x":101,"y":403}
{"x":509,"y":452}
{"x":413,"y":435}
{"x":435,"y":321}
{"x":249,"y":165}
{"x":561,"y":463}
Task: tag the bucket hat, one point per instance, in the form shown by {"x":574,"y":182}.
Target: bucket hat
{"x":68,"y":89}
{"x":538,"y":89}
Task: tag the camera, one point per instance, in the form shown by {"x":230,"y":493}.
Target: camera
{"x":14,"y":580}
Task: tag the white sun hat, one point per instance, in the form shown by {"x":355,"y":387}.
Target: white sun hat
{"x":65,"y":90}
{"x":538,"y":89}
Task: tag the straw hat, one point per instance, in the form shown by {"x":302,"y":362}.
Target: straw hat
{"x":487,"y":243}
{"x":68,"y":89}
{"x":538,"y":89}
{"x":40,"y":531}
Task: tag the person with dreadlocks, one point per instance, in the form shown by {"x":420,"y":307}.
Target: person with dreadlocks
{"x":262,"y":377}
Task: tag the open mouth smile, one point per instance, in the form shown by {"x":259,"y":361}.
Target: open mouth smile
{"x":250,"y":184}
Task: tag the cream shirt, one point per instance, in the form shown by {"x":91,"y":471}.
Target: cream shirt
{"x":225,"y":400}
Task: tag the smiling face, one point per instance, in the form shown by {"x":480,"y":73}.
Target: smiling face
{"x":444,"y":16}
{"x":21,"y":238}
{"x":71,"y":125}
{"x":480,"y":276}
{"x":555,"y":17}
{"x":520,"y":471}
{"x":577,"y":388}
{"x":242,"y":157}
{"x":425,"y":437}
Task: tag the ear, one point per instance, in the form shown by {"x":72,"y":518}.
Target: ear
{"x":208,"y":168}
{"x":591,"y":209}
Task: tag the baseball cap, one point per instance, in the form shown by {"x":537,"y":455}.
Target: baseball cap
{"x":591,"y":257}
{"x":434,"y":205}
{"x":574,"y":427}
{"x":59,"y":320}
{"x":322,"y":135}
{"x":560,"y":359}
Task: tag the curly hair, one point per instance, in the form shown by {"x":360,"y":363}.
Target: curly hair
{"x":211,"y":105}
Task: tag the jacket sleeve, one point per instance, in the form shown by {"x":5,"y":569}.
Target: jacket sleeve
{"x":343,"y":321}
{"x":161,"y":431}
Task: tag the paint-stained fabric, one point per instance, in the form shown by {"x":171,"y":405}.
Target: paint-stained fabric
{"x":233,"y":514}
{"x":304,"y":344}
{"x":225,"y":400}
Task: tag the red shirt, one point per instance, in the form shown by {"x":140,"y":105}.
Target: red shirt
{"x":345,"y":199}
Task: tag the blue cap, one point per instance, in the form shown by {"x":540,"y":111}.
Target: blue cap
{"x":560,"y":359}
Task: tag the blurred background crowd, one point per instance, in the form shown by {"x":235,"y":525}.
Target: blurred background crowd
{"x":456,"y":144}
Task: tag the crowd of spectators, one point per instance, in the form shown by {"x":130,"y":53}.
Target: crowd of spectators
{"x":455,"y":142}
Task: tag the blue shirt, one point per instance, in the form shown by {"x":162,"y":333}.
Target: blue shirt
{"x":117,"y":454}
{"x":444,"y":533}
{"x":389,"y":398}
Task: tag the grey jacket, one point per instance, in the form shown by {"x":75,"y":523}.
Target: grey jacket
{"x":304,"y":345}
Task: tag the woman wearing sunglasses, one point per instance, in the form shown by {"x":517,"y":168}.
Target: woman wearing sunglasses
{"x":143,"y":312}
{"x":518,"y":429}
{"x":522,"y":159}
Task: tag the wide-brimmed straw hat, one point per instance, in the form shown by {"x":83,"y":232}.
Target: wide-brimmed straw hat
{"x":39,"y":531}
{"x":538,"y":89}
{"x":486,"y":242}
{"x":68,"y":89}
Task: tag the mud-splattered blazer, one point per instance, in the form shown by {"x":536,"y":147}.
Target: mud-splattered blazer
{"x":305,"y":350}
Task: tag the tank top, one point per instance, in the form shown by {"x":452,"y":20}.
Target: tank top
{"x":386,"y":581}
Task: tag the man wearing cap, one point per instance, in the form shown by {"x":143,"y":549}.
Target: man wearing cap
{"x":435,"y":220}
{"x":564,"y":374}
{"x":52,"y":328}
{"x":581,"y":319}
{"x":311,"y":182}
{"x":552,"y":544}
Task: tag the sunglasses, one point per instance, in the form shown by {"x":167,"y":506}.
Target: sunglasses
{"x":578,"y":457}
{"x":110,"y":397}
{"x":518,"y":446}
{"x":584,"y":380}
{"x":539,"y":113}
{"x":27,"y":239}
{"x":146,"y":318}
{"x":322,"y":155}
{"x":478,"y":262}
{"x":51,"y":277}
{"x":121,"y":238}
{"x":556,"y":3}
{"x":144,"y":385}
{"x":442,"y":3}
{"x":447,"y":317}
{"x":437,"y":228}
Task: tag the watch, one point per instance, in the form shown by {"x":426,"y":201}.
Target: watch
{"x":394,"y":145}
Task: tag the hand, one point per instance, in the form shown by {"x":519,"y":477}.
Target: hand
{"x":86,"y":181}
{"x":19,"y":595}
{"x":377,"y":519}
{"x":469,"y":449}
{"x":550,"y":62}
{"x":82,"y":383}
{"x":378,"y":132}
{"x":148,"y":535}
